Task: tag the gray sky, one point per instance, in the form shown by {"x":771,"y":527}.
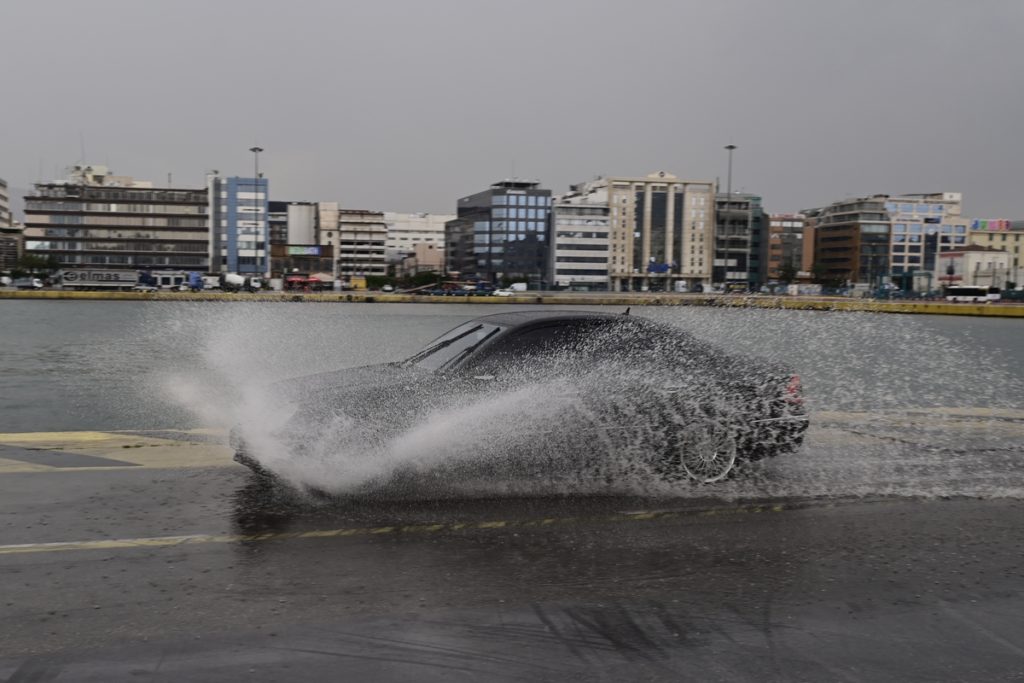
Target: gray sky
{"x":408,"y":105}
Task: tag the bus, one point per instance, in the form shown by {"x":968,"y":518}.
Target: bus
{"x":973,"y":295}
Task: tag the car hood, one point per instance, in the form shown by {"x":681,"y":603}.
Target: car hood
{"x":351,"y":379}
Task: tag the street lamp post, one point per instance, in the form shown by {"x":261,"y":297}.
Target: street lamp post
{"x":728,"y":187}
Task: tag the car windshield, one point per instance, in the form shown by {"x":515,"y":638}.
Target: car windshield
{"x":456,"y":344}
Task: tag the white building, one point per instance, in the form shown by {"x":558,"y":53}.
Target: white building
{"x":405,"y":230}
{"x":5,"y":205}
{"x":357,"y":237}
{"x":923,"y":227}
{"x":580,"y":242}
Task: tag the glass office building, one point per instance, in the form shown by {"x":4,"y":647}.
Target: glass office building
{"x":502,"y":234}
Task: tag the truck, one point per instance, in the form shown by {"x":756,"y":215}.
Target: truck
{"x":175,"y":280}
{"x":90,"y":278}
{"x":233,"y":282}
{"x":518,"y":286}
{"x":27,"y":283}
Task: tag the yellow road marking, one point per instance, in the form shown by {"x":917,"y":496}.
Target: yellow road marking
{"x":208,"y":539}
{"x":138,"y":450}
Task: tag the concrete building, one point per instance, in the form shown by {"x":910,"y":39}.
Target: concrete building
{"x":662,"y":232}
{"x":923,"y":227}
{"x":975,"y":266}
{"x":785,"y":242}
{"x":1005,"y":235}
{"x":357,"y":238}
{"x":424,"y":257}
{"x":406,"y":230}
{"x":294,"y":239}
{"x":95,"y":220}
{"x":11,"y":246}
{"x":740,"y":244}
{"x":501,"y":234}
{"x":915,"y":229}
{"x":851,"y":241}
{"x":6,"y":220}
{"x":240,"y":230}
{"x":580,"y":242}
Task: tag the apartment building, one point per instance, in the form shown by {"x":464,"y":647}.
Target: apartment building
{"x":357,"y":237}
{"x":94,"y":219}
{"x":580,"y":243}
{"x":406,"y":230}
{"x":740,"y":242}
{"x":784,"y":258}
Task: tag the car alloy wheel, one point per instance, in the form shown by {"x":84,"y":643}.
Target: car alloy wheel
{"x":708,"y":453}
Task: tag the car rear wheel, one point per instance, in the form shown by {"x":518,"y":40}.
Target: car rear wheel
{"x":708,"y":453}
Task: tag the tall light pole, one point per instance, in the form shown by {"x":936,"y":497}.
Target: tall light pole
{"x":256,"y":182}
{"x":728,"y":190}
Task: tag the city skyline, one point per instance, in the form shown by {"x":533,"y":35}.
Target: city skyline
{"x":409,"y":110}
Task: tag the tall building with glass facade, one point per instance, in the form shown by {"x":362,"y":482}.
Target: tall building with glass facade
{"x":502,"y":234}
{"x":239,"y":239}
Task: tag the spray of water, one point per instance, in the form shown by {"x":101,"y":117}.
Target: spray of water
{"x":897,"y":407}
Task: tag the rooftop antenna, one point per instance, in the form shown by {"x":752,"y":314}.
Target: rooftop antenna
{"x":81,"y":145}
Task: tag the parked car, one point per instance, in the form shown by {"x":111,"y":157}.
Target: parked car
{"x":504,"y":292}
{"x":617,"y":386}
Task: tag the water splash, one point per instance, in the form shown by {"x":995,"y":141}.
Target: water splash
{"x":900,"y":405}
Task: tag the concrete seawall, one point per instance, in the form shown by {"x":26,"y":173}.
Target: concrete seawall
{"x":1000,"y":310}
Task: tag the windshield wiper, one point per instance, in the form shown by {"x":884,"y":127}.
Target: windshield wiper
{"x":470,"y":349}
{"x":437,"y":347}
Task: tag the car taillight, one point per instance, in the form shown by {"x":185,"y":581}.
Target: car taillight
{"x":793,"y":393}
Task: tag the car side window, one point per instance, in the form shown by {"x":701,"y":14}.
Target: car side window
{"x":534,"y":348}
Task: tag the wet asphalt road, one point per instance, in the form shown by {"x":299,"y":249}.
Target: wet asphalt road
{"x":557,"y":589}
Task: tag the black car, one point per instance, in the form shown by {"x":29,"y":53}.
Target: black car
{"x":583,"y":389}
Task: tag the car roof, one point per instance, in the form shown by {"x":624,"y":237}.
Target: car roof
{"x":520,"y":318}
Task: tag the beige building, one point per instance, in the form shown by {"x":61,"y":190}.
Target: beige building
{"x":974,"y":266}
{"x":358,"y":239}
{"x":662,"y":232}
{"x":1005,"y":235}
{"x":424,"y":257}
{"x":406,"y":230}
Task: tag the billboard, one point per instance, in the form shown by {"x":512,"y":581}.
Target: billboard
{"x":98,"y":278}
{"x":304,"y":251}
{"x":996,"y":224}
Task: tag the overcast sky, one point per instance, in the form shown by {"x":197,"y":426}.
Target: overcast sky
{"x":408,"y":105}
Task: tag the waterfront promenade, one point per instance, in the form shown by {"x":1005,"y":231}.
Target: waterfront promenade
{"x":999,"y":310}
